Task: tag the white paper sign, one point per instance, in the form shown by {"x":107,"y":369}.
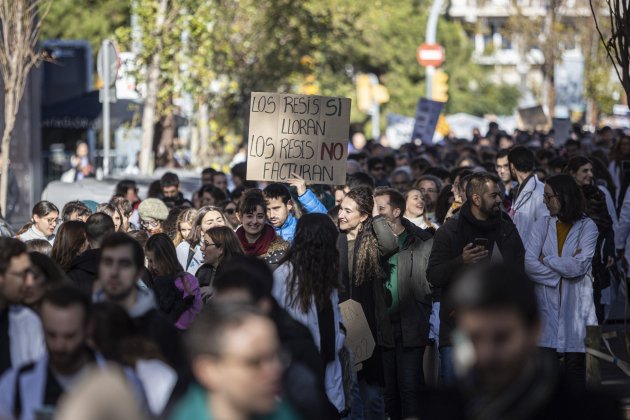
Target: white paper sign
{"x":298,"y":134}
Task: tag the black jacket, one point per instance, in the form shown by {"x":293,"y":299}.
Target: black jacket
{"x":446,"y":254}
{"x":84,"y":270}
{"x":414,"y":291}
{"x":542,"y":394}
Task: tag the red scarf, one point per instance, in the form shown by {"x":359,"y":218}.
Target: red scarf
{"x":262,"y":243}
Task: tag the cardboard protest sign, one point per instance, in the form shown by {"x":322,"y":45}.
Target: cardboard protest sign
{"x":427,"y":116}
{"x":298,"y":134}
{"x":533,"y":118}
{"x":359,"y":339}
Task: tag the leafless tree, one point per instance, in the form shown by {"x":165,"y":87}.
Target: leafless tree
{"x":20,"y":26}
{"x":617,"y":44}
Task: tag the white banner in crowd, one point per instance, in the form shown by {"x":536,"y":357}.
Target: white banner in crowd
{"x":300,"y":135}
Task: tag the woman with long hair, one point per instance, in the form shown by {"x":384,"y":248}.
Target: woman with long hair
{"x":183,"y":225}
{"x":46,"y":276}
{"x":218,"y":246}
{"x":365,"y":244}
{"x":604,"y":258}
{"x":559,"y":260}
{"x":44,"y":219}
{"x":306,"y":284}
{"x":177,"y":291}
{"x":581,"y":169}
{"x":189,"y":251}
{"x":71,"y":242}
{"x":258,"y":238}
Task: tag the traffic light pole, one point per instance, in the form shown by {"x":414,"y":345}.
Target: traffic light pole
{"x":430,"y":36}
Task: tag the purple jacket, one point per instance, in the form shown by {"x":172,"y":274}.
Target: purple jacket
{"x":189,"y":286}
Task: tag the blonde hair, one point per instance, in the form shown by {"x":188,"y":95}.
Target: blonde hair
{"x":186,"y":216}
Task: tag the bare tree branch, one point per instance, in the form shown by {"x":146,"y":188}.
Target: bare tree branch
{"x":20,"y":26}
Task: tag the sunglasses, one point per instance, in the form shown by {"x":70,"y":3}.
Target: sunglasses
{"x":230,"y":211}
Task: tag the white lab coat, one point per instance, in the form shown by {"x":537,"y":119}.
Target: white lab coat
{"x":564,"y":284}
{"x":529,"y":208}
{"x":32,"y":383}
{"x":610,"y":206}
{"x":333,"y":377}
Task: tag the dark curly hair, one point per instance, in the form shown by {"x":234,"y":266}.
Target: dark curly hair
{"x":367,"y":266}
{"x":315,"y":262}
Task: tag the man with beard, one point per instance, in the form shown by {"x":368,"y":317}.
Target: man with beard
{"x":32,"y":391}
{"x":479,"y":232}
{"x":119,"y":270}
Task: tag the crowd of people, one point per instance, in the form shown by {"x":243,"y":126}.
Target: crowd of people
{"x":482,"y":260}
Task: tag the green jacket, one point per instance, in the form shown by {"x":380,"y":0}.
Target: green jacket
{"x":194,"y":405}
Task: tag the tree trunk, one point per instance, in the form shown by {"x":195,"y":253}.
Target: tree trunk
{"x":204,"y":134}
{"x":549,"y":67}
{"x":166,"y":150}
{"x":153,"y":84}
{"x":9,"y":123}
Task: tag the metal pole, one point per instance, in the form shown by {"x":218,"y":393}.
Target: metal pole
{"x":106,"y":75}
{"x":430,"y":37}
{"x":375,"y":111}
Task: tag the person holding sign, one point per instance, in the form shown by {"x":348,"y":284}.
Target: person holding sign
{"x":257,"y":237}
{"x":280,"y":207}
{"x":365,"y":244}
{"x":306,"y":285}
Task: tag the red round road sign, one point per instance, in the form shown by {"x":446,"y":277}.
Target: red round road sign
{"x":430,"y":55}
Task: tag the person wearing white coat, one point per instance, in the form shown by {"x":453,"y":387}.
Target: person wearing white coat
{"x":528,"y":206}
{"x":558,"y":259}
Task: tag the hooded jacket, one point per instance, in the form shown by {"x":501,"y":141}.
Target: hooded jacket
{"x":310,"y":204}
{"x":446,"y":255}
{"x":154,"y":325}
{"x":413,"y":288}
{"x":84,"y":270}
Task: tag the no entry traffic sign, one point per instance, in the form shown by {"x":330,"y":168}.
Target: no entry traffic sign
{"x":430,"y":55}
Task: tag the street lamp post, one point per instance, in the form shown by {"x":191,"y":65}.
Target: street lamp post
{"x":430,"y":37}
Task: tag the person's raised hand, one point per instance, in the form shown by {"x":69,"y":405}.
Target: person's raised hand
{"x":473,"y":254}
{"x":297,"y":182}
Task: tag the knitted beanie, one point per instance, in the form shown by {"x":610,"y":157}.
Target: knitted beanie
{"x":153,"y":208}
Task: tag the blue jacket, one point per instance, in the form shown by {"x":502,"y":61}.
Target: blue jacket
{"x":311,"y":204}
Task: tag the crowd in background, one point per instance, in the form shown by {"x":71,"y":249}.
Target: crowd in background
{"x":484,"y":258}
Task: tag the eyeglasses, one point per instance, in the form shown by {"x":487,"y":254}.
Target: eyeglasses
{"x":427,"y":191}
{"x":52,"y":220}
{"x":547,"y":197}
{"x":230,"y":211}
{"x":206,"y":244}
{"x":149,"y":223}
